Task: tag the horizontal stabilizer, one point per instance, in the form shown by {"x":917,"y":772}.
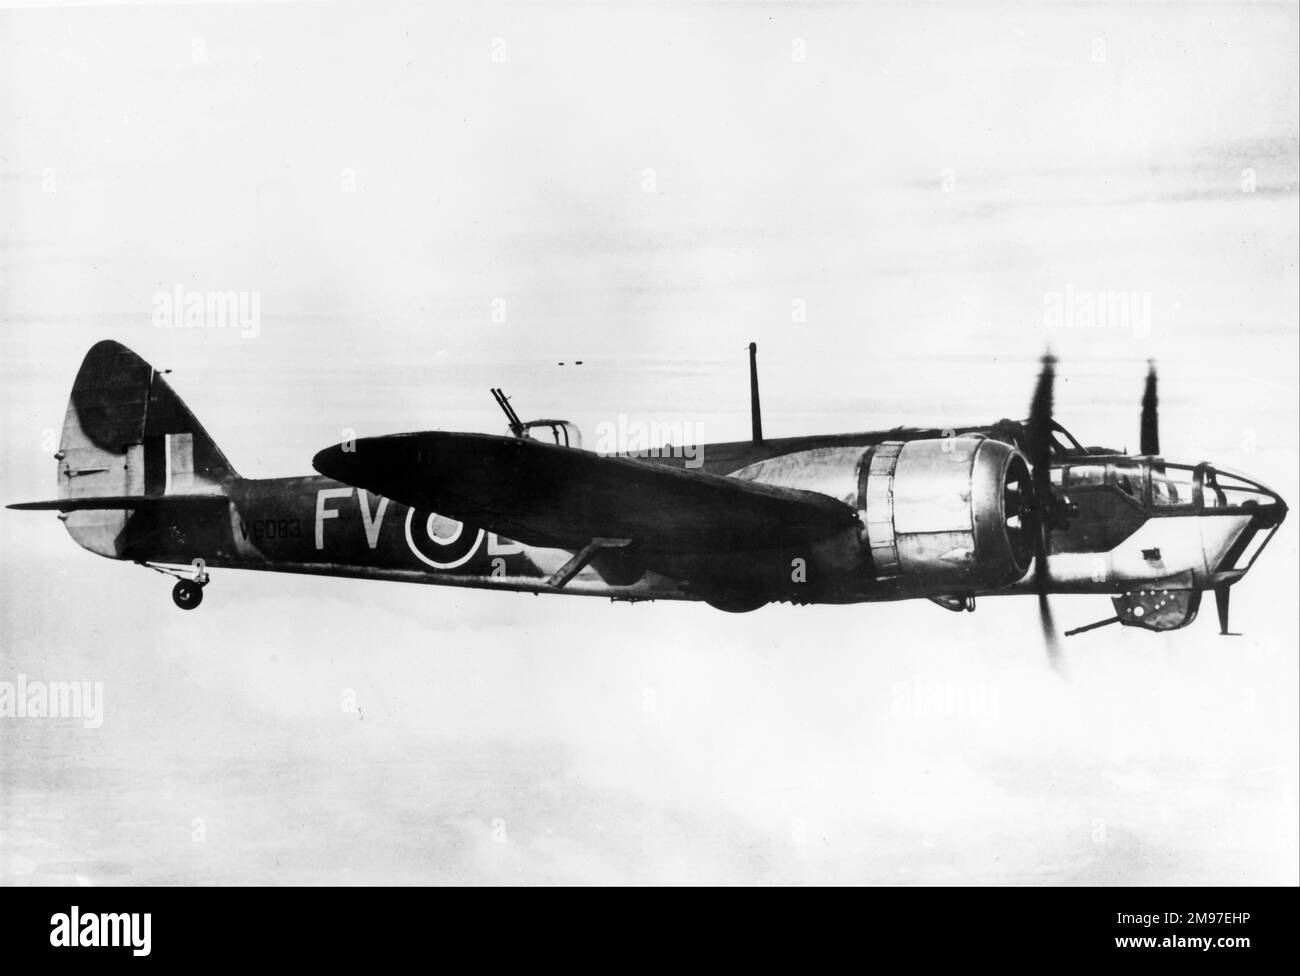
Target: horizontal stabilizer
{"x":543,"y":494}
{"x":116,"y":503}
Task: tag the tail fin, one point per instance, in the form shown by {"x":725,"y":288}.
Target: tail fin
{"x":127,"y":433}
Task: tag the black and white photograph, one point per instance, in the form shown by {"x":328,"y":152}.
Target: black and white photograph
{"x":578,"y":444}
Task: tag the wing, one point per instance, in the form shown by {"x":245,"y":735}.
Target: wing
{"x":545,"y":495}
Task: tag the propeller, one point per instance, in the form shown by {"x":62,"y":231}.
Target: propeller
{"x":1043,"y":512}
{"x":1150,"y":437}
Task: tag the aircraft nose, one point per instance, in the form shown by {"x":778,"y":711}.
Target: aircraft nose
{"x":1230,"y":489}
{"x":1278,"y":506}
{"x":1277,"y":502}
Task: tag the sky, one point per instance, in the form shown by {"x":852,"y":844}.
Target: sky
{"x":895,"y":201}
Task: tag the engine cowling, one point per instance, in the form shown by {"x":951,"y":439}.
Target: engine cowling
{"x":936,"y":516}
{"x":948,"y":514}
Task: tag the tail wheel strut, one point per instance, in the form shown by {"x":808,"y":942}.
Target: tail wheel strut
{"x":188,"y":591}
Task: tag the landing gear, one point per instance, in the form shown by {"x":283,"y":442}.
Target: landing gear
{"x":188,"y":591}
{"x":187,"y":594}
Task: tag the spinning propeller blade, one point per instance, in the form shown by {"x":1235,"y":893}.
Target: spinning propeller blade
{"x":1150,"y":436}
{"x":1044,"y":508}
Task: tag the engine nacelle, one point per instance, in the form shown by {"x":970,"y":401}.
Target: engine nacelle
{"x":935,"y":516}
{"x":945,"y":515}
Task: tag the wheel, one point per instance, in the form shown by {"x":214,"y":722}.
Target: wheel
{"x":187,"y":594}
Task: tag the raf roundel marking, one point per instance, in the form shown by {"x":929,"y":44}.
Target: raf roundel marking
{"x":442,"y":551}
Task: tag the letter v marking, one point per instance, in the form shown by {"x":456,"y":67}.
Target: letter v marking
{"x":372,"y":524}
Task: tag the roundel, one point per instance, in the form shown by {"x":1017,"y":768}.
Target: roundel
{"x":439,"y":541}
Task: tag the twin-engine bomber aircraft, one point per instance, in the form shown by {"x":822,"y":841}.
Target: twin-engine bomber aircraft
{"x":948,"y":515}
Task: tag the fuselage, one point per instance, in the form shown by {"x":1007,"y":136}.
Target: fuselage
{"x":1127,"y":531}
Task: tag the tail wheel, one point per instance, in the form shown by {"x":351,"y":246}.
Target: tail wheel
{"x":187,"y":594}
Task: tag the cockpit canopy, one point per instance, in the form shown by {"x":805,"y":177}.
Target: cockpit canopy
{"x":1157,"y":486}
{"x":560,"y":432}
